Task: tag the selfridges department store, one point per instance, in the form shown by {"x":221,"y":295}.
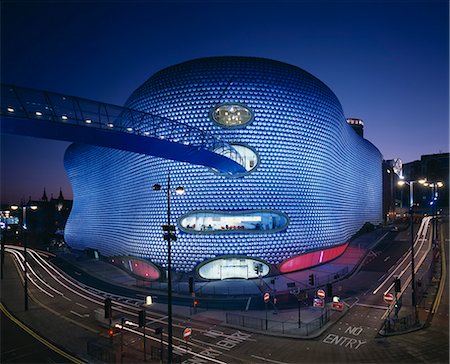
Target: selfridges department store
{"x":310,"y":183}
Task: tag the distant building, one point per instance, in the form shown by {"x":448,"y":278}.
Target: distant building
{"x":392,"y":170}
{"x":47,"y":222}
{"x":357,"y":125}
{"x":433,"y":167}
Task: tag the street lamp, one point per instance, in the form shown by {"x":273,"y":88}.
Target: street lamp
{"x":411,"y":204}
{"x":169,"y":235}
{"x":434,"y":198}
{"x":25,"y":245}
{"x":3,"y":239}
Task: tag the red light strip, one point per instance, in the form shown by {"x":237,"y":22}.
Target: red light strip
{"x":311,"y":259}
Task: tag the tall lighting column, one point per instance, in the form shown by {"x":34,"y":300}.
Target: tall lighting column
{"x":169,"y":235}
{"x":434,"y":198}
{"x":25,"y":246}
{"x":413,"y":274}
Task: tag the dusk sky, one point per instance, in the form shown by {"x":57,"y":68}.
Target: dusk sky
{"x":387,"y":62}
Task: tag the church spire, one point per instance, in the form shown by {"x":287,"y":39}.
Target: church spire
{"x":44,"y":196}
{"x":60,"y":197}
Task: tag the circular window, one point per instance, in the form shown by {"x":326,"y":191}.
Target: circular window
{"x":231,"y":115}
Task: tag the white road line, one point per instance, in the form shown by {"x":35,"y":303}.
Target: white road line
{"x":77,"y":314}
{"x":81,"y":305}
{"x":268,"y":360}
{"x":425,"y":221}
{"x":372,"y":306}
{"x":387,"y":258}
{"x":180,"y":348}
{"x":160,"y":320}
{"x":66,"y":298}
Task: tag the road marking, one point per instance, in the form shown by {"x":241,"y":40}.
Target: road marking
{"x":77,"y":314}
{"x":340,"y":340}
{"x":66,"y":298}
{"x":387,"y":258}
{"x":425,"y":222}
{"x":268,"y":360}
{"x":81,"y":305}
{"x":41,"y":339}
{"x":372,"y":306}
{"x":160,"y":320}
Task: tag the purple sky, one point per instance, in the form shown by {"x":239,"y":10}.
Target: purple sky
{"x":386,"y":61}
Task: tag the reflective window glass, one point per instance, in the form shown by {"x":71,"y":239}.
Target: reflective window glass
{"x":259,"y":221}
{"x":230,"y":115}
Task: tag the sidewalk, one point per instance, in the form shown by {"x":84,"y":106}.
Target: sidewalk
{"x":240,"y":301}
{"x":278,"y":285}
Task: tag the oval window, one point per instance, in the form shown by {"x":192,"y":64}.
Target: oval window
{"x":245,"y":156}
{"x":231,"y":115}
{"x":225,"y":222}
{"x":233,"y":267}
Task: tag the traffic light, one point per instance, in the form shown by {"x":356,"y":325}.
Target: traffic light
{"x":397,"y":285}
{"x":108,"y":308}
{"x":141,"y":320}
{"x":195,"y":303}
{"x":311,"y":279}
{"x":110,"y":332}
{"x":191,"y":284}
{"x":329,"y":290}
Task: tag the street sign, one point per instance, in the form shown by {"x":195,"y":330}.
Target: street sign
{"x":337,"y":306}
{"x":266,"y":297}
{"x":321,"y":294}
{"x":187,"y":333}
{"x":388,"y":298}
{"x":318,"y":303}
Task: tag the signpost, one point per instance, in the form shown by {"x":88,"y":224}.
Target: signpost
{"x":337,"y":306}
{"x":318,"y":303}
{"x":321,"y":294}
{"x":266,"y":298}
{"x":187,"y":332}
{"x":300,"y":295}
{"x":388,"y":298}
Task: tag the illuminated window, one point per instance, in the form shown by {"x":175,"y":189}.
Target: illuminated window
{"x":233,"y":267}
{"x":246,"y":156}
{"x":224,"y":222}
{"x":231,"y":115}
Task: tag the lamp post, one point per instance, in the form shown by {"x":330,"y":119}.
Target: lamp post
{"x":169,"y":235}
{"x":434,"y":198}
{"x":25,"y":245}
{"x":411,"y":204}
{"x":2,"y":246}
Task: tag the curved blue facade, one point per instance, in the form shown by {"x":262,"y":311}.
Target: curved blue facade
{"x":312,"y":167}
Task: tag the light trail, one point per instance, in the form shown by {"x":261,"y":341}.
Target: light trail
{"x":425,"y":222}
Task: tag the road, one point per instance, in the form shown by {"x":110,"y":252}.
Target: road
{"x":353,"y":339}
{"x":19,"y":346}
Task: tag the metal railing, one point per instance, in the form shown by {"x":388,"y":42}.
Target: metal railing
{"x":401,"y":324}
{"x":40,"y":105}
{"x":275,"y":326}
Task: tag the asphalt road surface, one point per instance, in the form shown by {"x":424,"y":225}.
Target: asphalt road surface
{"x":67,"y":314}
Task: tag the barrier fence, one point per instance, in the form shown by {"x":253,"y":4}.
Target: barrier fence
{"x":274,"y":326}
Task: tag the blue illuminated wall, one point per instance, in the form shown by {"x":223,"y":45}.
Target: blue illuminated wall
{"x":312,"y":167}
